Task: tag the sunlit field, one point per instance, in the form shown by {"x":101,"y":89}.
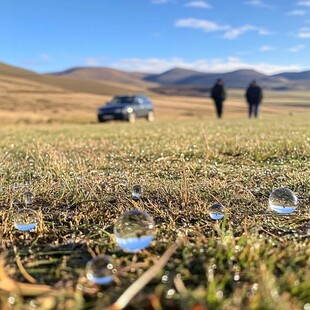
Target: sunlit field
{"x":25,"y":101}
{"x":82,"y":177}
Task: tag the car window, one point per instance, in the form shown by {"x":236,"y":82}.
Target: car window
{"x":123,"y":100}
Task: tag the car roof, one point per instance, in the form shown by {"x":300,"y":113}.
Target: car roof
{"x":131,"y":95}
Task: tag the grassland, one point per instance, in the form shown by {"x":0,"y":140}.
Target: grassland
{"x":82,"y":174}
{"x":30,"y":98}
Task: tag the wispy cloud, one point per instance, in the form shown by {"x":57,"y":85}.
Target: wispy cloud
{"x":297,"y":48}
{"x":42,"y":60}
{"x":229,"y":32}
{"x":304,"y":3}
{"x":92,"y":61}
{"x":198,"y":4}
{"x":266,"y":48}
{"x":158,"y":65}
{"x":259,"y":3}
{"x":296,"y":13}
{"x":234,"y":33}
{"x":304,"y":33}
{"x":203,"y":24}
{"x":161,"y":1}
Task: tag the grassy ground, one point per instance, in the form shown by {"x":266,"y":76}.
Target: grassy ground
{"x":34,"y":101}
{"x":82,"y":176}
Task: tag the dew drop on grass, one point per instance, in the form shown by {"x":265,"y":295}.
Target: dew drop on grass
{"x":100,"y":270}
{"x":216,"y":211}
{"x":134,"y":230}
{"x":28,"y":198}
{"x":16,"y":202}
{"x":137,"y":191}
{"x":26,"y":219}
{"x":283,"y":200}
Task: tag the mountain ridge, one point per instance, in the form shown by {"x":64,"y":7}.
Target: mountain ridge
{"x":103,"y":79}
{"x":179,"y":77}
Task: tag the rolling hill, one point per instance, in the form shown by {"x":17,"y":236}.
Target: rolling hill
{"x":28,"y":97}
{"x":295,"y":76}
{"x":190,"y":79}
{"x":93,"y":86}
{"x":235,"y":79}
{"x":105,"y":74}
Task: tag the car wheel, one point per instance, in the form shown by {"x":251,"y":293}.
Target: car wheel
{"x":131,"y":117}
{"x":150,"y":116}
{"x":100,"y":120}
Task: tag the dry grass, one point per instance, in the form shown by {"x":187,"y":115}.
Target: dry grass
{"x":38,"y":101}
{"x":82,"y":177}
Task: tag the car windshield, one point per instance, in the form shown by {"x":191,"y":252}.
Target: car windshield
{"x":123,"y":99}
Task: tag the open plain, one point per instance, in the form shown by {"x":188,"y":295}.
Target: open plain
{"x":82,"y":172}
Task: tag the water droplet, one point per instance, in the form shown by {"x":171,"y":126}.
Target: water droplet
{"x":28,"y":198}
{"x":134,"y":230}
{"x":219,"y":294}
{"x":170,"y":293}
{"x":16,"y":202}
{"x":283,"y":200}
{"x":216,"y":211}
{"x":137,"y":191}
{"x":100,"y":270}
{"x":164,"y":278}
{"x":26,"y":219}
{"x":12,"y":300}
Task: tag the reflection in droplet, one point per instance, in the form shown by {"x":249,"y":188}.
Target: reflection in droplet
{"x":26,"y":219}
{"x":283,"y":200}
{"x":216,"y":211}
{"x":100,"y":270}
{"x":134,"y":230}
{"x":137,"y":191}
{"x":28,"y":198}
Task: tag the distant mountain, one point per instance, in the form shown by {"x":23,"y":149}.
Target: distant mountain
{"x":106,"y":75}
{"x":102,"y":80}
{"x":13,"y":71}
{"x":294,"y":76}
{"x":67,"y":83}
{"x":235,"y":79}
{"x":173,"y":76}
{"x":179,"y":77}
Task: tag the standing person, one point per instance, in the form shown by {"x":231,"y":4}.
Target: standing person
{"x":218,"y":94}
{"x":254,"y":96}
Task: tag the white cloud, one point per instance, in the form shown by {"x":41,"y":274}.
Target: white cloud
{"x":45,"y":56}
{"x":161,"y":1}
{"x":92,"y":61}
{"x":236,"y":32}
{"x":42,"y":60}
{"x":203,"y":24}
{"x":296,"y":48}
{"x":266,"y":48}
{"x":158,"y":65}
{"x":296,"y":13}
{"x":304,"y":33}
{"x":198,"y":4}
{"x":304,"y":3}
{"x":258,"y":3}
{"x":210,"y":26}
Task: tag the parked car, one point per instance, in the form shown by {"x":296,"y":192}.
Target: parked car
{"x":127,"y":108}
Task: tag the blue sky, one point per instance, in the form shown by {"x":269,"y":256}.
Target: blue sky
{"x":156,"y":35}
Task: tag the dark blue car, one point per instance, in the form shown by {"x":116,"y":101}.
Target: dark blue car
{"x":127,"y":108}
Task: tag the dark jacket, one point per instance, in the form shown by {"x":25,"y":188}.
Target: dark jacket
{"x":254,"y":94}
{"x":218,"y":92}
